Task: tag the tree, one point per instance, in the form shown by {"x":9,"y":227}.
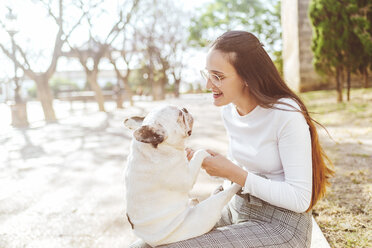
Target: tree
{"x":336,"y":44}
{"x":252,"y":15}
{"x":24,"y":57}
{"x":123,"y":78}
{"x":177,"y":43}
{"x":162,"y":44}
{"x":91,"y":53}
{"x":358,"y":49}
{"x":125,"y":52}
{"x":362,"y":26}
{"x":328,"y":18}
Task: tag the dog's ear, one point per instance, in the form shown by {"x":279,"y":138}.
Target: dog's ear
{"x":133,"y":122}
{"x":154,"y":134}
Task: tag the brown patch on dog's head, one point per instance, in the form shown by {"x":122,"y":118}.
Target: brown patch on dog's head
{"x":150,"y":134}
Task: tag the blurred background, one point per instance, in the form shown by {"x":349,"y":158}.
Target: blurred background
{"x":72,"y":70}
{"x":53,"y":51}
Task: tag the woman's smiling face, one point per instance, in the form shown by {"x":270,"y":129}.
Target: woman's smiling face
{"x":232,"y":86}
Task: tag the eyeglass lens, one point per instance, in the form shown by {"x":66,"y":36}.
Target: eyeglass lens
{"x":213,"y":77}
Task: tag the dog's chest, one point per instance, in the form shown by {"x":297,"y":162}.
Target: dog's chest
{"x":147,"y":172}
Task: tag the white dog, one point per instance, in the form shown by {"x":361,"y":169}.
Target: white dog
{"x":159,"y":178}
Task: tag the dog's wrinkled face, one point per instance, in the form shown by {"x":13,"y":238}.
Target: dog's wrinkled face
{"x":167,"y":124}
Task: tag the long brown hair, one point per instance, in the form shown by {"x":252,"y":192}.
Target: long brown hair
{"x":256,"y":68}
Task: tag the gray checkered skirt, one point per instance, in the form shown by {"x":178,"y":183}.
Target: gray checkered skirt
{"x":250,"y":222}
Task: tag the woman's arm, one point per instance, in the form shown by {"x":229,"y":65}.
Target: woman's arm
{"x":294,"y":193}
{"x":294,"y":146}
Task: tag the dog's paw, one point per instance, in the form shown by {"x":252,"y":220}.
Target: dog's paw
{"x":201,"y":153}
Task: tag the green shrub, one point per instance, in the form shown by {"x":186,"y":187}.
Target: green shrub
{"x":62,"y":85}
{"x":108,"y":86}
{"x":32,"y":92}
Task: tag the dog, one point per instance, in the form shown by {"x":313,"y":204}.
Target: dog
{"x":158,"y":179}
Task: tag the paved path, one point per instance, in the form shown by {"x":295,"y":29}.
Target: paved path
{"x":61,"y":185}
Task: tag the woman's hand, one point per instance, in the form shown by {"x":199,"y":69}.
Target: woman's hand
{"x":213,"y":164}
{"x":219,"y":166}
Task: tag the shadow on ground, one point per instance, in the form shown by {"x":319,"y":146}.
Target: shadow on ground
{"x":62,"y":184}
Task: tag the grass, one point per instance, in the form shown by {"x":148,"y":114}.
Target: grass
{"x":324,"y":107}
{"x":344,"y":214}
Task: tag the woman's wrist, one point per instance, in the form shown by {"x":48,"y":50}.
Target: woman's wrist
{"x":237,"y":175}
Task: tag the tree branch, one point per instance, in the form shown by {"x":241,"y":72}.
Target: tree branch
{"x":76,"y":25}
{"x":49,"y":8}
{"x":58,"y":42}
{"x":23,"y":54}
{"x":116,"y":29}
{"x":113,"y":62}
{"x":27,"y":71}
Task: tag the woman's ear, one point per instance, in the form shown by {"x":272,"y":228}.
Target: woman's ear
{"x":151,"y":134}
{"x":133,"y":122}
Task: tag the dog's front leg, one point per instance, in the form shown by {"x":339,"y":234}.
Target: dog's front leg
{"x":196,"y":162}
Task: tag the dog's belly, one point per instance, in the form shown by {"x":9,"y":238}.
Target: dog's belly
{"x":157,"y":200}
{"x":157,"y":213}
{"x":157,"y":193}
{"x":159,"y":226}
{"x":142,"y":205}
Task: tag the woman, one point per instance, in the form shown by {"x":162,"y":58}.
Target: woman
{"x":274,"y":151}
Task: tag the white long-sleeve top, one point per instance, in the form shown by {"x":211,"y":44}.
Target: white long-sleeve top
{"x":275,"y":144}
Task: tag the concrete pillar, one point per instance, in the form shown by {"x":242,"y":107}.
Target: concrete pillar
{"x":298,"y":69}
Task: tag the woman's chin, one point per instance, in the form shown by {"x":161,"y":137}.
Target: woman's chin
{"x":219,"y":100}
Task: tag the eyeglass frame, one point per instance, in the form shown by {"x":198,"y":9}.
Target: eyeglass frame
{"x":207,"y":76}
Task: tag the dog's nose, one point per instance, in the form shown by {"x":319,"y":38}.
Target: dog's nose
{"x":185,"y":110}
{"x":189,"y":133}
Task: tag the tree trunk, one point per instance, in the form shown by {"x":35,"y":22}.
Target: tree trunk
{"x":163,"y":83}
{"x":128,"y":91}
{"x":342,"y":77}
{"x":157,"y":91}
{"x":338,"y":85}
{"x":92,"y":80}
{"x":348,"y":83}
{"x":177,"y":87}
{"x":45,"y":96}
{"x":162,"y":89}
{"x":19,"y":114}
{"x":365,"y":75}
{"x":119,"y":96}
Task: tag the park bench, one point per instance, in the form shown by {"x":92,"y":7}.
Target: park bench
{"x":84,"y":96}
{"x":317,"y":238}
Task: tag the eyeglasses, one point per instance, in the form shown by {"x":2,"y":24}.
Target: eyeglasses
{"x":215,"y":79}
